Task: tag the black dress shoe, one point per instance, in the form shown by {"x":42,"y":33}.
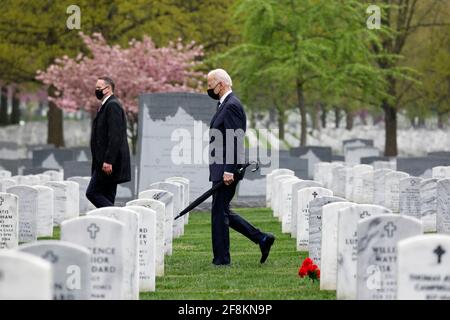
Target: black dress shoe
{"x":265,"y":246}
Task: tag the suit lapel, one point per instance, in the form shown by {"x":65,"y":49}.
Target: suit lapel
{"x":222,"y":106}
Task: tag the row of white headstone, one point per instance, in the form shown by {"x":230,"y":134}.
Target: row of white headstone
{"x":364,"y":250}
{"x":111,"y":253}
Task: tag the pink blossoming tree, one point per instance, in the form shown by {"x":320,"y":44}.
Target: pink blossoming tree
{"x":139,"y":68}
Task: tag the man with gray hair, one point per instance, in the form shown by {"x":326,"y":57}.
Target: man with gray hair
{"x":230,"y":116}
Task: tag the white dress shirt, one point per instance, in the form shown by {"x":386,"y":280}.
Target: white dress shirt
{"x":104,"y":101}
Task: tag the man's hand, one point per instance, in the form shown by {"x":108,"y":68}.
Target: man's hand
{"x":107,"y":168}
{"x":228,"y":178}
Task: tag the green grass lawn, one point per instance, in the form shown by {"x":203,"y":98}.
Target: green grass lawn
{"x":189,"y":273}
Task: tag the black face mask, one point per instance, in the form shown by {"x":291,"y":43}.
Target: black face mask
{"x":99,"y":93}
{"x":213,"y":95}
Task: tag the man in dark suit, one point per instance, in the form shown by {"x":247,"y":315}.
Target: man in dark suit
{"x":227,"y":130}
{"x":109,"y":147}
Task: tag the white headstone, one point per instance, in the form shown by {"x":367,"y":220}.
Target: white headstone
{"x":9,"y":221}
{"x":298,"y":185}
{"x":379,"y":185}
{"x":84,"y":204}
{"x":45,"y":211}
{"x":147,"y":247}
{"x":5,"y":174}
{"x":443,"y":206}
{"x":6,"y":183}
{"x":55,"y":175}
{"x":104,"y":238}
{"x":187,"y":193}
{"x":439,"y":172}
{"x":304,"y":197}
{"x":286,"y":204}
{"x":71,"y":266}
{"x":392,"y":190}
{"x":176,"y":190}
{"x":315,"y":226}
{"x":377,"y":256}
{"x":276,"y":194}
{"x":24,"y":277}
{"x":349,"y":183}
{"x":130,"y":219}
{"x":162,"y":245}
{"x":347,"y":246}
{"x":66,"y":200}
{"x":28,"y":212}
{"x":410,"y":196}
{"x":269,"y":182}
{"x":423,"y":269}
{"x":328,"y":259}
{"x":165,"y":214}
{"x":428,"y":204}
{"x":358,"y":183}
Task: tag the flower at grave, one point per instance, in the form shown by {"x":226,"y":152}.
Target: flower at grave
{"x":308,"y":268}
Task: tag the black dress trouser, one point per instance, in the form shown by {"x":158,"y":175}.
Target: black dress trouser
{"x":222,"y":218}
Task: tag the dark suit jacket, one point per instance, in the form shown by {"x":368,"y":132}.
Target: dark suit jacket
{"x":231,"y":115}
{"x":109,"y":142}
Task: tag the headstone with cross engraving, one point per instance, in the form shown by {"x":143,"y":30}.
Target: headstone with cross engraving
{"x":28,"y":211}
{"x":328,"y":244}
{"x":392,"y":190}
{"x":9,"y":221}
{"x":162,"y":247}
{"x":377,"y":255}
{"x":130,"y":219}
{"x":428,"y":204}
{"x":298,"y":185}
{"x":147,"y":247}
{"x":347,"y":246}
{"x":443,"y":206}
{"x":165,"y":214}
{"x":424,"y":268}
{"x":177,"y":204}
{"x":316,"y":207}
{"x":24,"y":276}
{"x":104,"y":237}
{"x":269,"y":181}
{"x":71,"y":265}
{"x":410,"y":196}
{"x":305,"y":196}
{"x":45,"y":211}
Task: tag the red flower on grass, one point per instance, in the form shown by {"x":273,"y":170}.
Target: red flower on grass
{"x":308,"y":268}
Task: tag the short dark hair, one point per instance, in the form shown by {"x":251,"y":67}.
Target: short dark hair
{"x":109,"y":82}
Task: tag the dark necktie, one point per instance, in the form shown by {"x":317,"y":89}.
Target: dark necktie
{"x":218,"y":105}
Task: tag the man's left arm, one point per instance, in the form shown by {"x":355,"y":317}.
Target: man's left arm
{"x":115,"y":126}
{"x":232,"y":121}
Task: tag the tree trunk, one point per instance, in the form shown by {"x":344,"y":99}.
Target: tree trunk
{"x":349,"y":120}
{"x":390,"y":120}
{"x":442,"y":119}
{"x":337,"y":117}
{"x":15,"y":112}
{"x":55,"y":134}
{"x":4,"y":106}
{"x":281,"y":123}
{"x":302,"y":109}
{"x":323,"y":116}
